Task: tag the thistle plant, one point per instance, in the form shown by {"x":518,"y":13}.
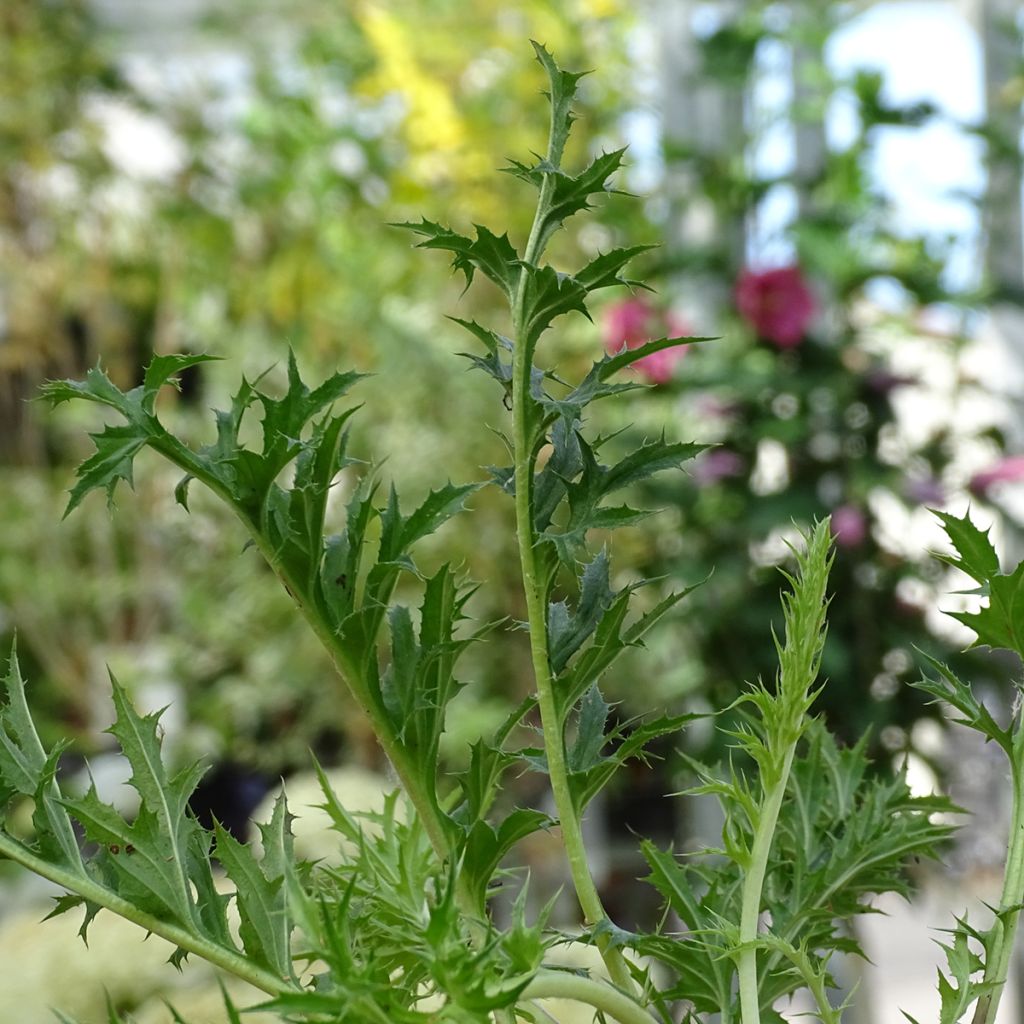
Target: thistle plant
{"x":402,"y":928}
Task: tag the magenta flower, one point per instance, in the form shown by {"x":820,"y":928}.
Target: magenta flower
{"x":1006,"y":470}
{"x":849,"y":526}
{"x":778,"y":304}
{"x":632,"y":323}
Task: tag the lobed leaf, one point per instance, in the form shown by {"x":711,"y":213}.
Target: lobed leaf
{"x":491,"y":254}
{"x":260,"y":894}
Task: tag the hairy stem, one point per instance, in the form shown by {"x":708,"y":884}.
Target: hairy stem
{"x":1005,"y":925}
{"x":559,"y":985}
{"x":220,"y":956}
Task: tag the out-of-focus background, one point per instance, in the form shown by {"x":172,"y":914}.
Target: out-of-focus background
{"x":836,"y":190}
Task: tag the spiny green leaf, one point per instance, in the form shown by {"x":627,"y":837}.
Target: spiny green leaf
{"x":438,"y":507}
{"x":493,"y":255}
{"x":571,"y":193}
{"x":26,"y":767}
{"x":164,"y":369}
{"x":548,"y":295}
{"x":611,"y":641}
{"x":563,"y":92}
{"x":479,"y":782}
{"x":260,"y":894}
{"x":116,"y":448}
{"x":97,"y":387}
{"x":650,"y":458}
{"x":486,"y":846}
{"x":569,"y":632}
{"x":585,"y":751}
{"x":603,"y":270}
{"x":961,"y":697}
{"x":1001,"y":623}
{"x":975,"y":554}
{"x":591,"y":770}
{"x":342,"y":564}
{"x":611,"y":364}
{"x":596,"y":481}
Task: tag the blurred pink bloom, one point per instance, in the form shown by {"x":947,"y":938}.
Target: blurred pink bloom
{"x":777,"y":303}
{"x":1005,"y":471}
{"x":715,"y":465}
{"x":632,"y":323}
{"x":849,"y":526}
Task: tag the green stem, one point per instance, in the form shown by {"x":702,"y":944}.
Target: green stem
{"x":753,"y":883}
{"x":535,"y":589}
{"x":1005,"y":925}
{"x":559,"y":985}
{"x":220,"y":956}
{"x":536,"y":600}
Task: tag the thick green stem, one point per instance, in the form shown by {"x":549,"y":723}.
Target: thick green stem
{"x":558,"y":985}
{"x":1005,"y":925}
{"x":227,"y":959}
{"x":753,"y":883}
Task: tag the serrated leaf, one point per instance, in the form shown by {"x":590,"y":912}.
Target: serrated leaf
{"x":650,"y":458}
{"x":97,"y":387}
{"x":597,"y":770}
{"x":26,"y":767}
{"x":975,"y":554}
{"x":164,"y":369}
{"x":116,"y":448}
{"x":603,"y":270}
{"x":596,"y":481}
{"x":611,"y":640}
{"x":571,"y":193}
{"x":152,"y":857}
{"x":486,"y":846}
{"x":585,"y":751}
{"x":493,"y":255}
{"x":1001,"y":623}
{"x":961,"y":697}
{"x":343,"y":558}
{"x":570,"y":632}
{"x":438,"y":507}
{"x":609,"y":365}
{"x":562,"y":92}
{"x":548,"y":295}
{"x":479,"y":782}
{"x":260,"y":894}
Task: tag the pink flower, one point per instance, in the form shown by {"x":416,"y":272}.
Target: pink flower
{"x":715,"y":465}
{"x":777,"y":303}
{"x":1006,"y":470}
{"x":849,"y":526}
{"x":632,"y":323}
